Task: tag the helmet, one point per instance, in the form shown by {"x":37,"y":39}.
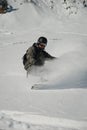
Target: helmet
{"x":42,"y":40}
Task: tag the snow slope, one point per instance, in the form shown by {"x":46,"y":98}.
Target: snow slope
{"x":30,"y":121}
{"x":60,"y":103}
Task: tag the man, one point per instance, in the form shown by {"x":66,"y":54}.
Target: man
{"x":3,"y":6}
{"x":36,"y":54}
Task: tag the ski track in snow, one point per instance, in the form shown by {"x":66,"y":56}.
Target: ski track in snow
{"x":74,"y":33}
{"x":5,"y":32}
{"x":19,"y":120}
{"x":14,"y":43}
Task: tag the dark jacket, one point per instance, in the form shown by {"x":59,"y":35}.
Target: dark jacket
{"x":35,"y":56}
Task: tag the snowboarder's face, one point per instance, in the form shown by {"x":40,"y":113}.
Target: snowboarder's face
{"x":42,"y":46}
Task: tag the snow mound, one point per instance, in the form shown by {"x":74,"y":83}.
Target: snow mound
{"x":20,"y":120}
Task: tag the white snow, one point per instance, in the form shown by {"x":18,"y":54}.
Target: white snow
{"x":41,"y":120}
{"x":60,"y":101}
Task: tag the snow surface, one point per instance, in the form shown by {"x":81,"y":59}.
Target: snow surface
{"x":60,"y":103}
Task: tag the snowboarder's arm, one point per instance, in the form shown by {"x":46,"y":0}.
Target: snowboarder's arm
{"x":48,"y":56}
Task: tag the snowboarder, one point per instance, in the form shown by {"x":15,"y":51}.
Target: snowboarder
{"x":3,"y":6}
{"x":36,"y":54}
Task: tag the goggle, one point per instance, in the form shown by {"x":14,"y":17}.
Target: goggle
{"x":42,"y":45}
